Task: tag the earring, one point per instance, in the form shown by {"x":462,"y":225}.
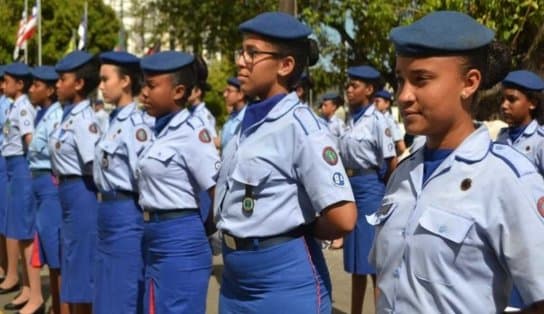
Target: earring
{"x":463,"y":95}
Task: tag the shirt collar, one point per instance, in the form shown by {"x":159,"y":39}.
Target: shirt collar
{"x":79,"y":107}
{"x":365,"y":111}
{"x":531,"y":128}
{"x":261,"y":111}
{"x":125,"y":111}
{"x":174,"y":122}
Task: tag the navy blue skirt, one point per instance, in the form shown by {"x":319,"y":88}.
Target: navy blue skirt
{"x":3,"y":194}
{"x":48,"y":221}
{"x":291,"y":277}
{"x":119,"y":272}
{"x":21,"y":212}
{"x":368,"y":191}
{"x":79,"y":223}
{"x":178,"y":264}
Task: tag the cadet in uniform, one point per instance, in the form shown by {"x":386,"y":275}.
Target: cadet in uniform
{"x":233,"y":97}
{"x":44,"y":186}
{"x":119,"y":265}
{"x":368,"y":153}
{"x":20,"y":214}
{"x":523,"y":109}
{"x":382,"y":101}
{"x":462,"y":218}
{"x":179,"y":163}
{"x":198,"y":108}
{"x":282,"y":182}
{"x":72,"y":154}
{"x":330,"y":102}
{"x":5,"y":103}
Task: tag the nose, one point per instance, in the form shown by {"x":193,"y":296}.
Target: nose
{"x":405,"y":94}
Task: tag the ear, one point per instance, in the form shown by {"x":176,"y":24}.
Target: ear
{"x":50,"y":91}
{"x":287,"y":65}
{"x":369,"y":90}
{"x":178,"y":92}
{"x":472,"y":81}
{"x":125,"y":81}
{"x":79,"y":84}
{"x":20,"y":84}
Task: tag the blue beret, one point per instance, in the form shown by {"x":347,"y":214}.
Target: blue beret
{"x":72,"y":61}
{"x":363,"y":72}
{"x":524,"y":79}
{"x":165,"y":61}
{"x":384,"y":94}
{"x":119,"y":58}
{"x":45,"y":73}
{"x":17,"y":69}
{"x":330,"y":96}
{"x":440,"y":32}
{"x":234,"y":82}
{"x":276,"y":25}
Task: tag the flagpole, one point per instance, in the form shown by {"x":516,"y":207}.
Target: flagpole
{"x":39,"y":2}
{"x":86,"y":25}
{"x":26,"y":42}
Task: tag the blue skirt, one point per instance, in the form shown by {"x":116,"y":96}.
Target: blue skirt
{"x":48,"y":220}
{"x":21,"y":213}
{"x":368,"y":191}
{"x":205,"y":203}
{"x":3,"y":194}
{"x":178,"y":263}
{"x":291,"y":277}
{"x":515,"y":299}
{"x":119,"y":263}
{"x":78,"y":231}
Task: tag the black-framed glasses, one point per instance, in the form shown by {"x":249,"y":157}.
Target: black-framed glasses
{"x":249,"y":54}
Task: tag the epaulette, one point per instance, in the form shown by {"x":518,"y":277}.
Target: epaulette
{"x":136,"y":118}
{"x":515,"y":160}
{"x":307,"y":119}
{"x":195,"y":122}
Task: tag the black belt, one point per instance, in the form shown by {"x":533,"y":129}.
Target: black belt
{"x":117,"y":195}
{"x":256,"y":243}
{"x":351,"y":172}
{"x":40,"y":172}
{"x":162,"y":215}
{"x":72,"y":177}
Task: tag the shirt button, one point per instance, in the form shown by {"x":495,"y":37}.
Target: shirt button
{"x":396,"y":273}
{"x":403,"y":232}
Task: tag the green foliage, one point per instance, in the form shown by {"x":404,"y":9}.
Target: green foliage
{"x":59,"y":19}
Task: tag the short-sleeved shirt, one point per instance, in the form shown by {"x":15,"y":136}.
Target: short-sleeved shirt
{"x":205,"y":115}
{"x":103,"y":120}
{"x":530,"y":143}
{"x":5,"y":103}
{"x":177,"y":165}
{"x":396,"y":133}
{"x":336,"y":126}
{"x":287,"y":164}
{"x":116,"y":154}
{"x":230,"y":126}
{"x":73,"y":141}
{"x":19,"y":122}
{"x":457,"y":243}
{"x":367,"y":141}
{"x":38,"y":150}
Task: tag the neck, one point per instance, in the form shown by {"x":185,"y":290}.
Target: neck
{"x":355,"y":107}
{"x":77,"y":99}
{"x":523,"y":123}
{"x":456,"y":134}
{"x":19,"y":94}
{"x":124,"y":101}
{"x":239,"y":106}
{"x":275,"y":90}
{"x":46,"y":104}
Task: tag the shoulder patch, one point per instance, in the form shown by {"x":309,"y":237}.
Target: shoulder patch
{"x":195,"y":122}
{"x":141,"y":135}
{"x":306,"y":119}
{"x":515,"y":160}
{"x":93,"y":128}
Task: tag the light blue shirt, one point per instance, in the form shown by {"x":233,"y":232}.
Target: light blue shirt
{"x":530,"y":143}
{"x":38,"y":150}
{"x":5,"y":103}
{"x":457,"y":243}
{"x":72,"y":143}
{"x":117,"y":152}
{"x":177,"y":165}
{"x":230,"y":126}
{"x":393,"y":126}
{"x":335,"y":125}
{"x":289,"y":162}
{"x":19,"y":122}
{"x":367,"y":142}
{"x":205,"y":115}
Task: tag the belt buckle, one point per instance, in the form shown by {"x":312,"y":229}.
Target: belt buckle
{"x":350,"y":172}
{"x":230,"y":242}
{"x":147,"y":217}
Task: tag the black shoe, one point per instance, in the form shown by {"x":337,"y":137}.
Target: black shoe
{"x":14,"y":306}
{"x":14,"y":288}
{"x":40,"y":310}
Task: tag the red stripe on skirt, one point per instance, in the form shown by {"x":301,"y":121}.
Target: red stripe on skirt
{"x":35,"y":260}
{"x":151,"y":297}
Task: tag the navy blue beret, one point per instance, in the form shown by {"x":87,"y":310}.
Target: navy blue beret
{"x":165,"y":61}
{"x":276,"y":25}
{"x":45,"y":73}
{"x":363,"y":72}
{"x":440,"y":32}
{"x":384,"y":94}
{"x":72,"y":61}
{"x":330,"y":96}
{"x":234,"y":82}
{"x":17,"y":69}
{"x":119,"y":58}
{"x":524,"y":79}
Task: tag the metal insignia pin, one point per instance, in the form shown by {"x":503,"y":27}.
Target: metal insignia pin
{"x":528,"y":148}
{"x":248,"y":204}
{"x":466,"y":184}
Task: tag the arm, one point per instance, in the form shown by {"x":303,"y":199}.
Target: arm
{"x":27,"y":138}
{"x":391,"y":165}
{"x":335,"y":221}
{"x":209,"y":224}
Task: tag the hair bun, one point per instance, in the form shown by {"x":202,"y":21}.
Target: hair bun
{"x":201,"y":72}
{"x":313,"y":52}
{"x":499,"y":63}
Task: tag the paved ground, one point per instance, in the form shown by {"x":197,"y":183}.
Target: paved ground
{"x":340,"y":280}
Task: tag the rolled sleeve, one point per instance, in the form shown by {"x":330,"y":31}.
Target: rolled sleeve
{"x":203,"y":162}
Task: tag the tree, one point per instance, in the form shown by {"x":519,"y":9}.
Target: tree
{"x":59,"y":19}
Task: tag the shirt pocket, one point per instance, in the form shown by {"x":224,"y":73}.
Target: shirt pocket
{"x":251,"y":174}
{"x":438,"y":245}
{"x":164,"y":155}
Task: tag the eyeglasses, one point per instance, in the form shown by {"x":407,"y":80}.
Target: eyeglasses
{"x":249,"y":54}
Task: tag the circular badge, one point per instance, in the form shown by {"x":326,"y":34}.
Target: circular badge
{"x":330,"y":156}
{"x":540,"y":206}
{"x":388,"y":132}
{"x":23,"y":113}
{"x":141,"y":135}
{"x":93,"y":129}
{"x":204,"y":136}
{"x":248,"y":204}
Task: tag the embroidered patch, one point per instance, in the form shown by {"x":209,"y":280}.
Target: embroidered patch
{"x":204,"y":136}
{"x":338,"y":179}
{"x":92,"y":128}
{"x":23,"y":113}
{"x":388,"y":132}
{"x":330,"y":156}
{"x":540,"y":206}
{"x":141,"y":135}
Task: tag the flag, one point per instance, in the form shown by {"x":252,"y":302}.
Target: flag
{"x":31,"y":24}
{"x":156,"y":48}
{"x":19,"y":36}
{"x":27,"y":28}
{"x":82,"y":32}
{"x":71,"y":44}
{"x":121,"y":40}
